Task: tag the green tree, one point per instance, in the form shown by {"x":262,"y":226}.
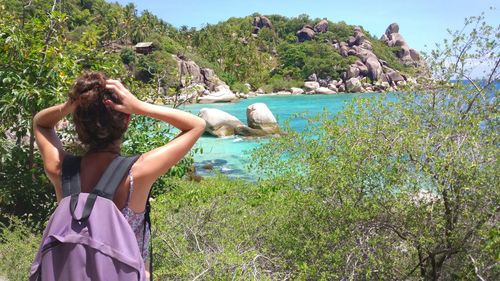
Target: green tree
{"x":411,"y":181}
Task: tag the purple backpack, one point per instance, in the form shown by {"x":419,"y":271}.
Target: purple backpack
{"x":87,"y":237}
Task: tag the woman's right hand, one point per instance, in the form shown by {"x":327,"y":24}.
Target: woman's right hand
{"x":129,"y":103}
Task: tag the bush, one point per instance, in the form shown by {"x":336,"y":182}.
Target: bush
{"x":127,"y":55}
{"x":240,"y":88}
{"x":278,"y":83}
{"x":301,"y":60}
{"x":222,"y":228}
{"x":18,"y":246}
{"x":145,"y":134}
{"x":24,"y":193}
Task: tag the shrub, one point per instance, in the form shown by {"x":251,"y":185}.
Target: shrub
{"x":240,"y":88}
{"x":278,"y":83}
{"x":127,"y":55}
{"x":18,"y":246}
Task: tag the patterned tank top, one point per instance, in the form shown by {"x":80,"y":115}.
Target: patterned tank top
{"x":136,"y":221}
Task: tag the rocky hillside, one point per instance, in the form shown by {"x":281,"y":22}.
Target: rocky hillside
{"x":298,"y":55}
{"x":234,"y":58}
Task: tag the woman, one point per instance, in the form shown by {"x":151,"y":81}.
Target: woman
{"x":101,"y":111}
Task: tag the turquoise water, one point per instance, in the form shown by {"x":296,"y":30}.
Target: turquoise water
{"x":231,"y":154}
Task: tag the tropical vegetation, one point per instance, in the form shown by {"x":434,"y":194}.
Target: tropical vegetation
{"x":390,"y":189}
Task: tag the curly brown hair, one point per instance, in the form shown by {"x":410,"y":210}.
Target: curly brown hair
{"x":97,"y":125}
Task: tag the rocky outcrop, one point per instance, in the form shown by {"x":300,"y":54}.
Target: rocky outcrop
{"x":261,"y":118}
{"x":261,"y":22}
{"x":369,"y":65}
{"x":210,"y":79}
{"x":200,"y":84}
{"x":392,"y":28}
{"x":190,"y":73}
{"x":306,"y":33}
{"x":392,"y":38}
{"x":219,"y":123}
{"x":321,"y":26}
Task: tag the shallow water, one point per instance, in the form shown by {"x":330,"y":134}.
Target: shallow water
{"x":230,"y":155}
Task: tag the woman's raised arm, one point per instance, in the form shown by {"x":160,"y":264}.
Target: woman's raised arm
{"x":156,"y":162}
{"x":47,"y":140}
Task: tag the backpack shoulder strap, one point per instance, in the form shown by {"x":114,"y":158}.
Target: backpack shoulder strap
{"x":113,"y":176}
{"x":70,"y":175}
{"x":106,"y":186}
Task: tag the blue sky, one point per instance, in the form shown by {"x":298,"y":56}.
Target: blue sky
{"x":421,"y":22}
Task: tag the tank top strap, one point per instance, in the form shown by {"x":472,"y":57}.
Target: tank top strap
{"x":131,"y":189}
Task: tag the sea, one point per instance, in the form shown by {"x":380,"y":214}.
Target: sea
{"x":231,"y":155}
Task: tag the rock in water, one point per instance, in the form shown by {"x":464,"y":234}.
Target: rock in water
{"x":260,"y":117}
{"x":297,"y":91}
{"x":222,"y":94}
{"x":219,"y":123}
{"x":324,"y":91}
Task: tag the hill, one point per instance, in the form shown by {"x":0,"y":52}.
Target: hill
{"x":271,"y":53}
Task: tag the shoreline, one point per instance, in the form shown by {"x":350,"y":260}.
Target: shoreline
{"x":237,"y":100}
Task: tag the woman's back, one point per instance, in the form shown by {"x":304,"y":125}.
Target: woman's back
{"x":101,"y":110}
{"x":92,"y":168}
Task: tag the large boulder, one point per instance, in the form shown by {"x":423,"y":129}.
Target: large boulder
{"x":321,"y":26}
{"x":333,"y":86}
{"x":375,"y":69}
{"x":344,"y":51}
{"x":353,"y":85}
{"x":249,"y":132}
{"x":210,"y":78}
{"x":324,"y":91}
{"x":219,"y":123}
{"x":363,"y":69}
{"x":392,"y":37}
{"x":306,"y":33}
{"x":352,"y":71}
{"x":396,"y":39}
{"x":311,"y":85}
{"x":312,"y":77}
{"x":260,"y":117}
{"x":296,"y":91}
{"x":395,"y":77}
{"x":222,"y":94}
{"x":414,"y":55}
{"x":392,"y":28}
{"x":189,"y":72}
{"x":261,"y":22}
